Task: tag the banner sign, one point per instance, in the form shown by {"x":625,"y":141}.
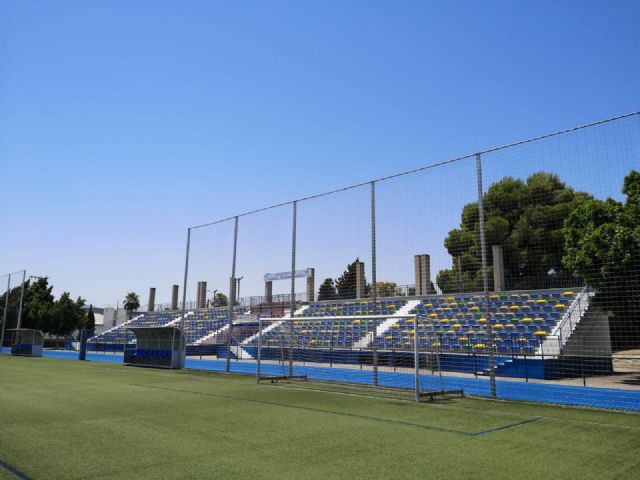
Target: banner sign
{"x":270,"y":277}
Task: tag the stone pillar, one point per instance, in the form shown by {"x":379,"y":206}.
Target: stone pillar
{"x":233,"y":284}
{"x":174,"y":297}
{"x":498,"y":268}
{"x":201,"y":295}
{"x":360,"y":285}
{"x":422,"y":267}
{"x":311,"y":284}
{"x":268,"y":292}
{"x":151,"y":304}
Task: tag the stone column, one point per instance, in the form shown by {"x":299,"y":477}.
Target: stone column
{"x":422,"y":267}
{"x":151,"y":304}
{"x":174,"y":297}
{"x":201,"y":295}
{"x":498,"y":268}
{"x":360,"y":285}
{"x":311,"y":284}
{"x":268,"y":292}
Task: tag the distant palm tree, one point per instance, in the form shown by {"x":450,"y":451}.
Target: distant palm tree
{"x":131,"y":303}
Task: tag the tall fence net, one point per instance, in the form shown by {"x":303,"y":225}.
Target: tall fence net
{"x":513,"y":272}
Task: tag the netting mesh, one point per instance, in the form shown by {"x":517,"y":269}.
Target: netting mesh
{"x":401,"y":282}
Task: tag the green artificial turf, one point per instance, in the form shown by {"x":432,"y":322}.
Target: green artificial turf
{"x":63,"y":419}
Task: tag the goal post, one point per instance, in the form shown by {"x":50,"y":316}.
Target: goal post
{"x":350,"y":350}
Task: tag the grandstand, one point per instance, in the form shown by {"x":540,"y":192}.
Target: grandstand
{"x":533,"y":326}
{"x":199,"y":325}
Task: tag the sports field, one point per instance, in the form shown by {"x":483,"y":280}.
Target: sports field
{"x":62,"y":419}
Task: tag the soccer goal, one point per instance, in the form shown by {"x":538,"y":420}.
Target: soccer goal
{"x":354,"y":350}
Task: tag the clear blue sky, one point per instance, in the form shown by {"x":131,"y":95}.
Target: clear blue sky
{"x":123,"y":122}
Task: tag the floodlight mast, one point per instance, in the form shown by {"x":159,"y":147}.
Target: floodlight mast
{"x":183,"y":347}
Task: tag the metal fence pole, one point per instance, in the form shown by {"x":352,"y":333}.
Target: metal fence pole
{"x":232,"y":292}
{"x":293,"y":284}
{"x":24,"y":276}
{"x":374,"y":291}
{"x":485,"y":274}
{"x":184,"y":292}
{"x":416,"y":357}
{"x":259,"y":353}
{"x":4,"y":316}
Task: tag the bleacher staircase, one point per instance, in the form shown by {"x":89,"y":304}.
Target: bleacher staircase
{"x":386,"y":325}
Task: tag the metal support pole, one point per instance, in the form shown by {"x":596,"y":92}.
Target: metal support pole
{"x":184,"y":294}
{"x":293,"y":284}
{"x":416,"y":357}
{"x":4,"y":316}
{"x":485,"y":274}
{"x":259,"y":352}
{"x":24,"y":276}
{"x":232,"y":292}
{"x":374,"y":290}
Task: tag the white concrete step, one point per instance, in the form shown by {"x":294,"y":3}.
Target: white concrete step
{"x":386,"y":325}
{"x":123,"y":324}
{"x":202,"y":340}
{"x":241,"y":353}
{"x":298,"y":313}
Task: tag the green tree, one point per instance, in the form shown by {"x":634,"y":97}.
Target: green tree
{"x":67,"y":315}
{"x":220,"y":300}
{"x":38,"y":305}
{"x":327,"y":290}
{"x":131,"y":303}
{"x":346,"y":283}
{"x":14,"y":305}
{"x":602,"y":243}
{"x":90,"y":324}
{"x":526,"y":218}
{"x":386,"y":289}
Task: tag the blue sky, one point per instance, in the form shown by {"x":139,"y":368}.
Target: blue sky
{"x":121,"y":123}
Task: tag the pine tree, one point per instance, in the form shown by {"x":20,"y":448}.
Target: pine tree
{"x":327,"y":290}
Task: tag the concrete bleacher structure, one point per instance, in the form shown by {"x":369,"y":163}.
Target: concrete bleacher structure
{"x":526,"y":326}
{"x":536,"y":325}
{"x":198,"y":325}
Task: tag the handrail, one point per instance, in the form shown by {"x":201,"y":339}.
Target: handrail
{"x":567,"y":315}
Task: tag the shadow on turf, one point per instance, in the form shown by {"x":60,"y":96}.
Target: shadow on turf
{"x":344,"y":414}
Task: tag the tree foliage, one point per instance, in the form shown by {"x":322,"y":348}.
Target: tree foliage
{"x":67,"y":315}
{"x":327,"y":290}
{"x":131,"y":302}
{"x":602,"y":244}
{"x":526,"y":218}
{"x":386,"y":289}
{"x":38,"y":305}
{"x":346,"y":283}
{"x":41,"y":311}
{"x":90,"y":324}
{"x":220,"y":300}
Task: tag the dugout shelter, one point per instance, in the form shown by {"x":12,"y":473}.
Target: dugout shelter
{"x":161,"y":347}
{"x":26,"y":342}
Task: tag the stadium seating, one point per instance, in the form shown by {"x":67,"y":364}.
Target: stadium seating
{"x":119,"y":334}
{"x":337,"y":309}
{"x":198,"y":324}
{"x":520,"y":322}
{"x":338,"y":333}
{"x":202,"y":322}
